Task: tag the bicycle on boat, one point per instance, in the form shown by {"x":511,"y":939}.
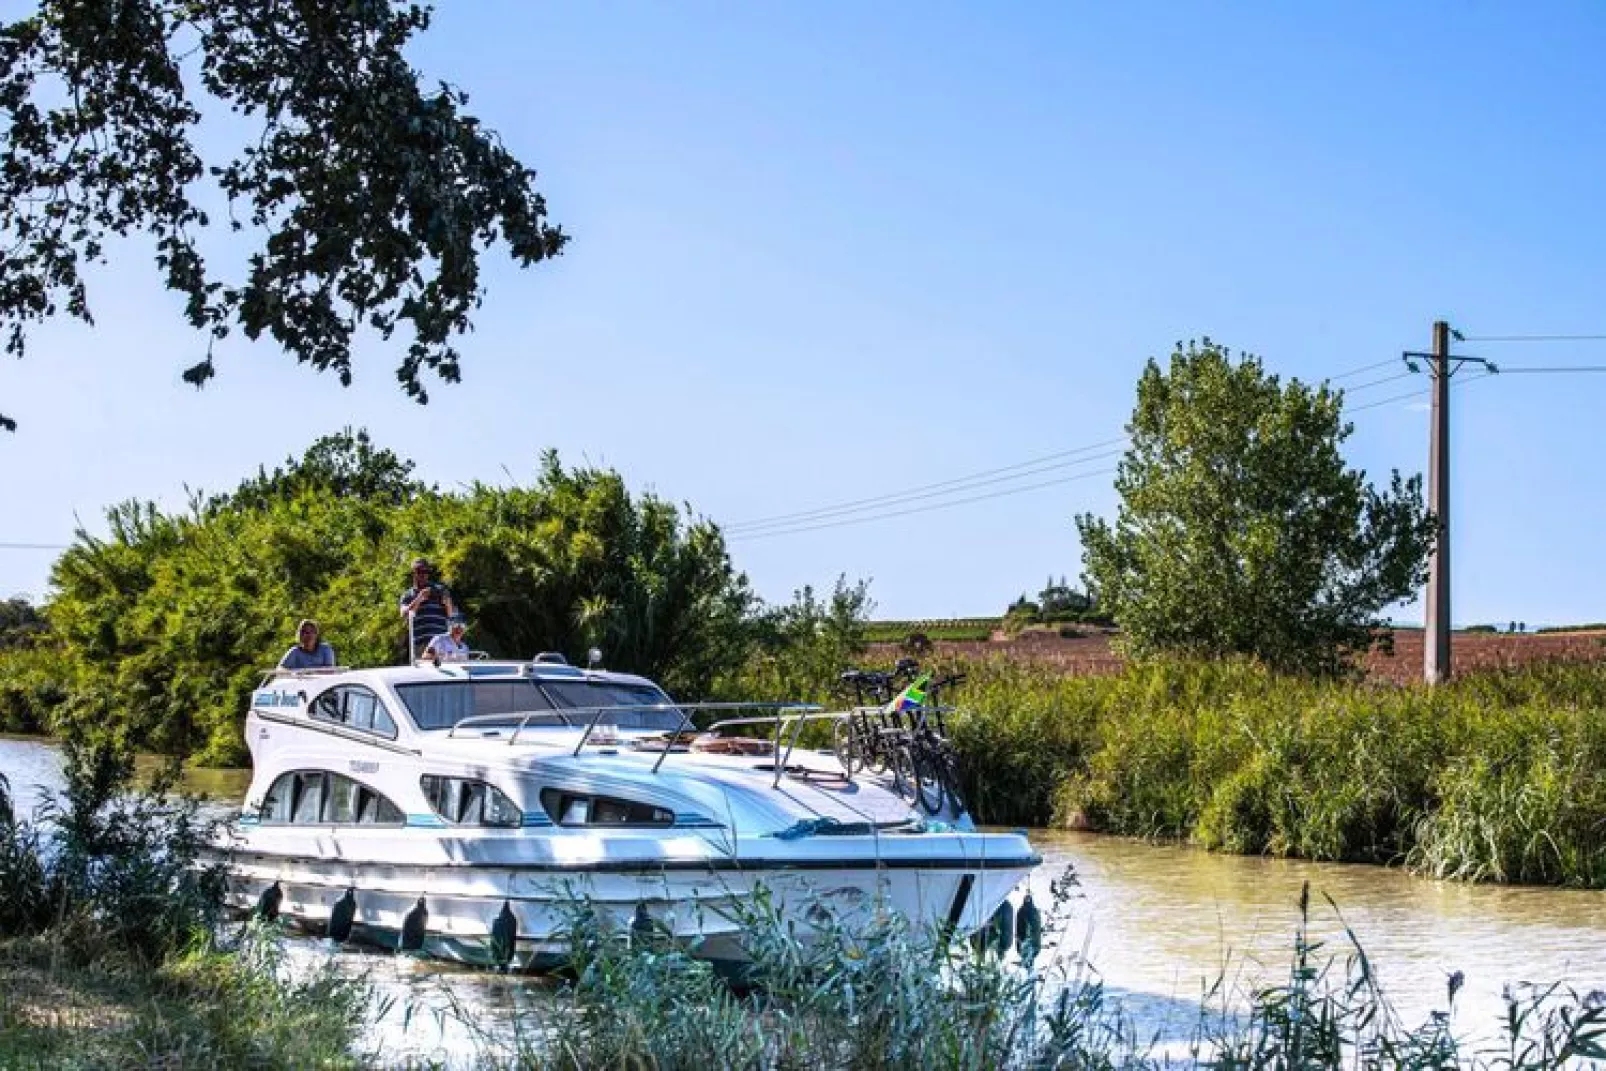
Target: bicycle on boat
{"x":902,"y":732}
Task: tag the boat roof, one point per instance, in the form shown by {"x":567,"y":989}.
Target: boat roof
{"x":484,"y":669}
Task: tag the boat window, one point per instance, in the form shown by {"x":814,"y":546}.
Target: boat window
{"x":442,"y":704}
{"x":463,"y":802}
{"x":585,"y":809}
{"x":355,"y":707}
{"x":309,"y":799}
{"x":316,"y":797}
{"x":596,"y":693}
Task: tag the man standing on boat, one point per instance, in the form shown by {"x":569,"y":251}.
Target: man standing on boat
{"x":428,"y":607}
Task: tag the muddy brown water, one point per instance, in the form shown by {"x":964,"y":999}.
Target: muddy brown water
{"x":1157,"y":923}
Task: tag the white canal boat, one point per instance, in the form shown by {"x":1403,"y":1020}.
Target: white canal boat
{"x":463,"y":810}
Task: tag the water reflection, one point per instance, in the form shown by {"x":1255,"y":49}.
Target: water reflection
{"x":1166,"y":921}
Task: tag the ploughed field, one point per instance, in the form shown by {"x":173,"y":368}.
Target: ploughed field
{"x":1087,"y":652}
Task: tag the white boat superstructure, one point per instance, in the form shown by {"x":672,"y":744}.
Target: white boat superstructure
{"x":466,"y":810}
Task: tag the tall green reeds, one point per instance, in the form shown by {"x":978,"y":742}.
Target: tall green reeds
{"x":885,"y":996}
{"x":1500,"y":776}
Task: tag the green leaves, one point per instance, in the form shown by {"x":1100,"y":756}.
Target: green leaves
{"x":172,"y":617}
{"x":370,"y":196}
{"x":1241,"y":531}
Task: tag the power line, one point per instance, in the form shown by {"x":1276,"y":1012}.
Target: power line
{"x":1542,"y":369}
{"x":875,"y":507}
{"x":925,"y":509}
{"x":1378,"y":382}
{"x":33,"y":546}
{"x":1413,"y":394}
{"x":1032,"y":467}
{"x":897,"y":500}
{"x":1533,"y":338}
{"x":1384,"y":401}
{"x":1358,"y":371}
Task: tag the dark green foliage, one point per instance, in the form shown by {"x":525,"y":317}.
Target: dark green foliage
{"x":1240,"y":530}
{"x":21,"y":623}
{"x":1498,"y":777}
{"x":369,"y":195}
{"x":35,"y":681}
{"x":169,"y":621}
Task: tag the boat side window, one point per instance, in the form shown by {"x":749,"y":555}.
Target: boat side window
{"x":585,"y":809}
{"x":317,"y":797}
{"x":355,"y":707}
{"x":464,"y":802}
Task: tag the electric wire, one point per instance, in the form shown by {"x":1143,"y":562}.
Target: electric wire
{"x":898,"y":500}
{"x":1533,"y":338}
{"x":1019,"y":470}
{"x":1551,"y":369}
{"x":923,"y":509}
{"x":1358,"y":371}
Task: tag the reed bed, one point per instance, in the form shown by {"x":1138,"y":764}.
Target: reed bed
{"x":1500,"y":776}
{"x":883,"y":996}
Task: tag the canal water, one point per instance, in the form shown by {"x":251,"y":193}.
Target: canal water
{"x":1158,"y":924}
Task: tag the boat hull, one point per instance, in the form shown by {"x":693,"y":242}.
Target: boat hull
{"x":707,"y":905}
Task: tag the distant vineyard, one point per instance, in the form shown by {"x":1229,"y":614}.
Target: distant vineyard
{"x":952,"y":629}
{"x":1088,"y":652}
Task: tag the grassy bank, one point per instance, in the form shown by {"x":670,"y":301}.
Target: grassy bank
{"x":202,"y":1009}
{"x":1497,"y":777}
{"x":113,"y":952}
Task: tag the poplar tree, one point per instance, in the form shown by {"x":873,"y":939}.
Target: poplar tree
{"x":1241,"y":530}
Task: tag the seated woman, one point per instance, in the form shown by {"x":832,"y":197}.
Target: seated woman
{"x":449,"y":645}
{"x":309,"y":652}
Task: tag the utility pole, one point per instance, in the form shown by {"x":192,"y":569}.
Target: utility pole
{"x":1436,"y":629}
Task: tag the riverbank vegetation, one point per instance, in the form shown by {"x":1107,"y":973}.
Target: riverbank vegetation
{"x":883,"y":996}
{"x":112,"y":952}
{"x":1499,"y":776}
{"x":161,"y":628}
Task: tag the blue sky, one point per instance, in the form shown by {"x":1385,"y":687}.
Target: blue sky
{"x":828,"y":251}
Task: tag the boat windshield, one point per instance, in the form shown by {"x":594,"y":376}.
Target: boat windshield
{"x":442,"y":704}
{"x":579,"y":694}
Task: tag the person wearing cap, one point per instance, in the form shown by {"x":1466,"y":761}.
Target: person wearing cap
{"x":449,"y":645}
{"x":310,"y":652}
{"x":428,"y":603}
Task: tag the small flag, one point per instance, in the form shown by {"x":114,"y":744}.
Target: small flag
{"x":914,"y":695}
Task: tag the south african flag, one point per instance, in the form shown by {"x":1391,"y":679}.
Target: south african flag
{"x":914,"y":695}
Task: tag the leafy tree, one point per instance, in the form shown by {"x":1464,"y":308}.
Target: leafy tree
{"x":20,"y":622}
{"x":370,"y":195}
{"x":169,"y":620}
{"x":1059,"y":600}
{"x":345,"y":464}
{"x":1241,"y":531}
{"x":798,"y":649}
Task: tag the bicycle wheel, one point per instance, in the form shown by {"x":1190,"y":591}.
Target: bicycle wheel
{"x":928,"y":787}
{"x":844,"y":741}
{"x":948,"y":771}
{"x":881,"y":747}
{"x":901,"y":764}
